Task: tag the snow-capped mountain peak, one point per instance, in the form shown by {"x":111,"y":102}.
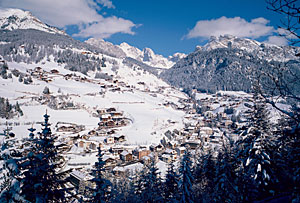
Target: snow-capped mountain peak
{"x":124,"y":50}
{"x":107,"y":47}
{"x":131,"y":51}
{"x":230,"y":41}
{"x":177,"y":56}
{"x":262,"y":50}
{"x":11,"y":19}
{"x":148,"y":54}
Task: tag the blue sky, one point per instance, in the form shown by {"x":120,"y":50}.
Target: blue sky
{"x":166,"y":26}
{"x":165,"y":23}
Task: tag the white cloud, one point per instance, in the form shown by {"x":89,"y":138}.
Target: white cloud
{"x":106,"y":3}
{"x":57,"y":12}
{"x":260,"y":20}
{"x":234,"y":26}
{"x":282,"y":37}
{"x":106,"y":27}
{"x":285,"y":33}
{"x":278,"y":40}
{"x":84,"y":13}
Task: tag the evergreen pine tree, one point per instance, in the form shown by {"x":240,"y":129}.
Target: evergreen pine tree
{"x":225,"y":178}
{"x":101,"y":193}
{"x":151,"y":185}
{"x":294,"y":154}
{"x":138,"y":185}
{"x":256,"y":174}
{"x":171,"y":184}
{"x":133,"y":187}
{"x":7,"y":108}
{"x":18,"y":109}
{"x":42,"y":182}
{"x":288,"y":161}
{"x":46,"y":90}
{"x":186,"y":179}
{"x":20,"y":78}
{"x":205,"y":174}
{"x":122,"y":189}
{"x":9,"y":172}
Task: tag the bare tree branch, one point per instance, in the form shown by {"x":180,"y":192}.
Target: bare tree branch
{"x":290,"y":9}
{"x":274,"y":86}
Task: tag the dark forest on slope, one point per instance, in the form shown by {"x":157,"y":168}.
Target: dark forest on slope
{"x":226,"y":69}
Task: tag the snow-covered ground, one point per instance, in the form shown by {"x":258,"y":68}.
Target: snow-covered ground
{"x":149,"y":117}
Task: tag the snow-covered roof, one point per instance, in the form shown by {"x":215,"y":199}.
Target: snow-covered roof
{"x":105,"y":116}
{"x":78,"y":174}
{"x":146,"y":158}
{"x":205,"y":128}
{"x":119,"y":168}
{"x":174,"y":142}
{"x":106,"y":157}
{"x":181,"y":148}
{"x":132,"y":167}
{"x":118,"y":136}
{"x":166,"y":155}
{"x":124,"y":153}
{"x":193,"y":141}
{"x":169,"y":151}
{"x":76,"y":149}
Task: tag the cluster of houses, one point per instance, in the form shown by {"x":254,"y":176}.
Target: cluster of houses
{"x":204,"y":130}
{"x":213,"y":118}
{"x":209,"y":120}
{"x":48,"y":76}
{"x":69,"y":127}
{"x":108,"y":83}
{"x":111,"y":118}
{"x":43,"y":75}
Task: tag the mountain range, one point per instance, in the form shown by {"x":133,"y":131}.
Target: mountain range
{"x":224,"y":63}
{"x":231,"y":63}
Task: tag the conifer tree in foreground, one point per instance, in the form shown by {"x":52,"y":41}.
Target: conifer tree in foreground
{"x":42,"y":182}
{"x":256,"y":141}
{"x":137,"y":185}
{"x":9,"y":171}
{"x":149,"y":187}
{"x":101,"y":192}
{"x":133,"y":179}
{"x":205,"y":174}
{"x":186,"y":179}
{"x":289,"y":157}
{"x":122,"y":189}
{"x":171,"y":184}
{"x":225,"y":178}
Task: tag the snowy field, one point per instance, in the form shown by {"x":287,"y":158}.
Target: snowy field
{"x":150,"y":119}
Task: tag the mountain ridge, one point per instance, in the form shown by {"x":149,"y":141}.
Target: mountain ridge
{"x":11,"y":19}
{"x":146,"y":55}
{"x":230,"y":63}
{"x":262,"y":50}
{"x":224,"y":63}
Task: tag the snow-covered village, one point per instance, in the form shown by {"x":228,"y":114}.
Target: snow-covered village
{"x":89,"y":119}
